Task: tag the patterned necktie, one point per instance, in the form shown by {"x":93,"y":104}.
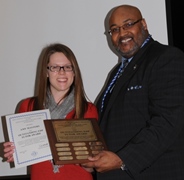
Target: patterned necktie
{"x":111,"y":85}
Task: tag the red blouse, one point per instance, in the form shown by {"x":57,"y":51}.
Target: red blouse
{"x":44,"y":170}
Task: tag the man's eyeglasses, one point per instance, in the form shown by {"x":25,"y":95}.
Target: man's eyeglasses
{"x":66,"y":68}
{"x":126,"y":26}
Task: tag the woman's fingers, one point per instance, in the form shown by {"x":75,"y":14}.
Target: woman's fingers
{"x":8,"y":151}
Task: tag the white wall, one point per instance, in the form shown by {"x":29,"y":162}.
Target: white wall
{"x":26,"y":26}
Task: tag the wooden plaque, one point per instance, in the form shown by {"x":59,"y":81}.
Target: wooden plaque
{"x":72,"y":141}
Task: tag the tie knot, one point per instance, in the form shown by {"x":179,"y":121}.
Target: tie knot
{"x":125,"y":62}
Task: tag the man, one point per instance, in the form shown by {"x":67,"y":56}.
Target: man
{"x":141,"y":111}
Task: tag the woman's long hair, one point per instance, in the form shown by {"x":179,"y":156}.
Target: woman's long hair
{"x":80,"y":98}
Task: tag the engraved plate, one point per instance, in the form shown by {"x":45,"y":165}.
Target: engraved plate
{"x":65,"y":158}
{"x":73,"y":140}
{"x":64,"y":153}
{"x":81,"y":157}
{"x":63,"y":149}
{"x":61,"y":144}
{"x":81,"y":152}
{"x":80,"y":148}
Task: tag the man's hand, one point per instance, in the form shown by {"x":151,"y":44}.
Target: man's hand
{"x":104,"y":161}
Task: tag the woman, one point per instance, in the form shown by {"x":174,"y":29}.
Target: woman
{"x":60,"y":89}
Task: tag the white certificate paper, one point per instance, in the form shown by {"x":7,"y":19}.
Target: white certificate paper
{"x":27,"y":131}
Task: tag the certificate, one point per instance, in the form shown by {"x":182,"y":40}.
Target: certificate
{"x":27,"y":132}
{"x":73,"y":140}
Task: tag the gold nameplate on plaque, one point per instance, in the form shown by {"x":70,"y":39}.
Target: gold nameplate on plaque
{"x":72,"y":141}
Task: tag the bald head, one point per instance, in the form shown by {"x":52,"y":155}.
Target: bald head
{"x":126,"y":11}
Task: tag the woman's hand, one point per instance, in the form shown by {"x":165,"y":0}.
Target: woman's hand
{"x":8,"y":151}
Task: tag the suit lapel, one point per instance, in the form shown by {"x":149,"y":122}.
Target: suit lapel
{"x":121,"y":84}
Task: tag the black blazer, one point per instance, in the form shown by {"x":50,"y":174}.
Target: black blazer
{"x":143,"y":121}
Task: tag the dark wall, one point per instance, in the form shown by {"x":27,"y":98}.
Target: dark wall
{"x":175,"y":22}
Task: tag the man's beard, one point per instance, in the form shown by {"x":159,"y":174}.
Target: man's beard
{"x":136,"y":46}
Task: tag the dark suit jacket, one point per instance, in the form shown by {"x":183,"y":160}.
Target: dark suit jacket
{"x":143,"y":121}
